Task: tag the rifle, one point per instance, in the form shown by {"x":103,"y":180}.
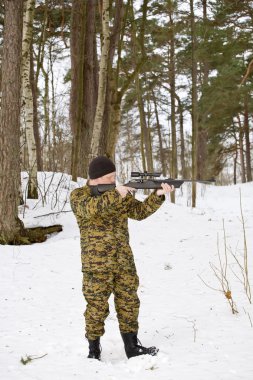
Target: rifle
{"x":140,"y":181}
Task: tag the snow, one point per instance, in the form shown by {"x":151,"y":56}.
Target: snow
{"x":41,"y":302}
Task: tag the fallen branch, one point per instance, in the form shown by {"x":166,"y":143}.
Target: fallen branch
{"x":29,"y":358}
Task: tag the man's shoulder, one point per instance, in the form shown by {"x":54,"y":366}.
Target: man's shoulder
{"x":79,"y":192}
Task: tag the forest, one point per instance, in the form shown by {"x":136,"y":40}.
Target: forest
{"x":154,"y":85}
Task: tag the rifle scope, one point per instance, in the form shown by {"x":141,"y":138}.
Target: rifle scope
{"x":145,"y":174}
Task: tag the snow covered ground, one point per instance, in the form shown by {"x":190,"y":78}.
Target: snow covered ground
{"x":41,"y":303}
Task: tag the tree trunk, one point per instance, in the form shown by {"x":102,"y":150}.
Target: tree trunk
{"x":112,"y":114}
{"x":241,"y":136}
{"x":10,"y":225}
{"x":159,"y":132}
{"x":235,"y":163}
{"x":111,"y":121}
{"x":194,"y":104}
{"x":147,"y":160}
{"x":146,"y":132}
{"x":202,"y":134}
{"x":129,"y":141}
{"x":46,"y":137}
{"x":182,"y":143}
{"x":114,"y":127}
{"x":84,"y":83}
{"x":27,"y":98}
{"x":44,"y":154}
{"x":90,"y":87}
{"x":172,"y":84}
{"x":55,"y":167}
{"x":76,"y":96}
{"x":35,"y":112}
{"x":247,"y":139}
{"x":148,"y":107}
{"x":103,"y":68}
{"x":116,"y":113}
{"x":41,"y":43}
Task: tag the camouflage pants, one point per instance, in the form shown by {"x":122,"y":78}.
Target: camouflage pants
{"x":97,"y":288}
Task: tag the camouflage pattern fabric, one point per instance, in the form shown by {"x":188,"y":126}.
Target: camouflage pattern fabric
{"x":107,"y":260}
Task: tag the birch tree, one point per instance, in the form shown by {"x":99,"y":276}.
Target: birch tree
{"x":27,"y":97}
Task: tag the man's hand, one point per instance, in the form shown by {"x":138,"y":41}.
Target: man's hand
{"x":166,"y":188}
{"x":124,"y":190}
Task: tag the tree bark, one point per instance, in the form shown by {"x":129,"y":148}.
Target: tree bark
{"x":46,"y":138}
{"x":76,"y":96}
{"x":112,"y":111}
{"x":115,"y":95}
{"x":43,"y":160}
{"x":247,"y":139}
{"x":10,"y":225}
{"x":235,"y":164}
{"x":54,"y":167}
{"x":194,"y":104}
{"x":202,"y":135}
{"x":159,"y":132}
{"x":235,"y":157}
{"x":241,"y":137}
{"x":147,"y":160}
{"x":182,"y":143}
{"x":27,"y":98}
{"x":103,"y":69}
{"x":172,"y":83}
{"x":84,"y":83}
{"x":35,"y":112}
{"x":90,"y":87}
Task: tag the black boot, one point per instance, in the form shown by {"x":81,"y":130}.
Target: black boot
{"x":94,"y":349}
{"x":133,"y":346}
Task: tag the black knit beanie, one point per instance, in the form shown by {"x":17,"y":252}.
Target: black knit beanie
{"x":100,"y":166}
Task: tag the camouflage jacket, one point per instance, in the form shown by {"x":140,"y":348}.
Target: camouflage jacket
{"x":103,"y":224}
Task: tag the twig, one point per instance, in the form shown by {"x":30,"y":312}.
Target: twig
{"x":250,"y":319}
{"x":52,"y":213}
{"x":245,"y":256}
{"x":217,"y":290}
{"x":221,"y":274}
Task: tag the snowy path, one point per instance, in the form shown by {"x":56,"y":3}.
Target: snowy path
{"x":41,"y":304}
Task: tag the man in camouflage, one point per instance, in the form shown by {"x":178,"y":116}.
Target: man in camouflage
{"x":107,"y":260}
